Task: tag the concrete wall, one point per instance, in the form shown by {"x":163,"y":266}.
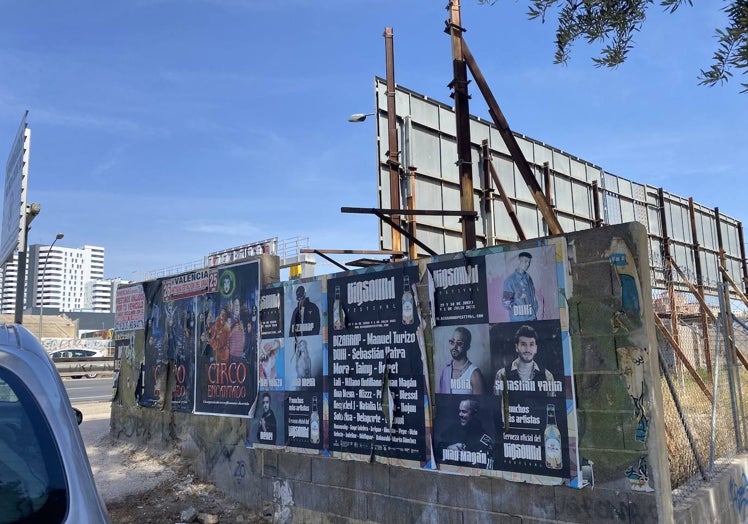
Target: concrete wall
{"x":621,"y":436}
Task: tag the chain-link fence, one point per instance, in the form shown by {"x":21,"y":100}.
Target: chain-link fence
{"x":697,"y":366}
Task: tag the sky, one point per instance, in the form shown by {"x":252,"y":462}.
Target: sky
{"x":164,"y":130}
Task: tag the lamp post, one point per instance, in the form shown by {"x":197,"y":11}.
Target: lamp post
{"x":44,"y":274}
{"x":359,"y":117}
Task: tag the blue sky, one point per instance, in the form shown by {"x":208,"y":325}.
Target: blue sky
{"x":164,"y":130}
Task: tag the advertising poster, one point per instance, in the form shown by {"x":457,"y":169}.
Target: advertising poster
{"x":459,"y":290}
{"x":531,"y":399}
{"x":291,"y":358}
{"x":465,"y":427}
{"x":180,"y":303}
{"x":153,"y":373}
{"x":130,"y":308}
{"x":504,"y":397}
{"x":305,"y":316}
{"x":227,"y":331}
{"x":270,"y":353}
{"x":375,"y":350}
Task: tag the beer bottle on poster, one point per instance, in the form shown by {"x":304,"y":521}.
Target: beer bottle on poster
{"x":338,"y":316}
{"x":552,"y":440}
{"x":407,"y":301}
{"x":314,"y":423}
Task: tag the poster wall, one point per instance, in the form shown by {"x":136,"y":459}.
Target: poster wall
{"x":502,"y":365}
{"x":340,"y":365}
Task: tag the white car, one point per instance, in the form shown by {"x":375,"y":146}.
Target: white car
{"x":45,"y":475}
{"x":75,"y":353}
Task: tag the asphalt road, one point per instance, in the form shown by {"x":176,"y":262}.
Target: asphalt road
{"x":82,"y":390}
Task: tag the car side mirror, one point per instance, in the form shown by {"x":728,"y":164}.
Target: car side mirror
{"x":78,"y":415}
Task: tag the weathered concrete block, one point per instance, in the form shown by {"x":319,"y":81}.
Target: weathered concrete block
{"x":369,"y":477}
{"x":586,"y":505}
{"x":238,"y":477}
{"x":395,"y":509}
{"x":414,"y":484}
{"x":310,"y":496}
{"x":347,"y":503}
{"x":591,"y":317}
{"x":629,"y":426}
{"x":593,"y":354}
{"x":293,"y":466}
{"x":600,"y":430}
{"x":330,"y":472}
{"x":602,"y":392}
{"x":594,"y":282}
{"x":485,"y":517}
{"x":610,"y":465}
{"x":466,"y":492}
{"x":643,"y":507}
{"x":269,"y":462}
{"x":522,"y":499}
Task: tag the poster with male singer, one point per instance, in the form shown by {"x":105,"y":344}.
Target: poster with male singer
{"x":226,"y":363}
{"x":523,"y":284}
{"x":303,"y":356}
{"x":530,"y":387}
{"x":375,"y":344}
{"x":270,"y":353}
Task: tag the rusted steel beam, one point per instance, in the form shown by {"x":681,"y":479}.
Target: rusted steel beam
{"x":676,"y":347}
{"x":546,"y":210}
{"x":507,"y":204}
{"x":411,"y":204}
{"x":734,"y":286}
{"x":405,"y":232}
{"x":459,"y":87}
{"x":393,"y":155}
{"x":700,"y":285}
{"x":430,"y":212}
{"x":743,"y":262}
{"x":487,"y":192}
{"x":668,"y":268}
{"x":599,"y":222}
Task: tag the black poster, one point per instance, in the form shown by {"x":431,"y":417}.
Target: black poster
{"x":181,"y":342}
{"x":152,"y":380}
{"x":375,"y":361}
{"x":532,"y":418}
{"x":460,"y":290}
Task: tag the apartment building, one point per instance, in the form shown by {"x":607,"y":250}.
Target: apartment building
{"x":60,"y":278}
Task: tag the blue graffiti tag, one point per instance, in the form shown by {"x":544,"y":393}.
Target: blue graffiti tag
{"x":739,"y":495}
{"x":240,"y":471}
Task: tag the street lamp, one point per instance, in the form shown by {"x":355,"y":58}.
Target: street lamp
{"x":44,"y":274}
{"x":359,"y":117}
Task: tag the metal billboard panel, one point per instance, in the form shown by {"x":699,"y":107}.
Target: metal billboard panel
{"x":427,"y":141}
{"x":14,"y":200}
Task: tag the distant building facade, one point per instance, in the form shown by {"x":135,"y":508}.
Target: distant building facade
{"x":65,"y":279}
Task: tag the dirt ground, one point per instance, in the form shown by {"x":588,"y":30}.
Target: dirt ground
{"x":168,"y":502}
{"x":152,"y":486}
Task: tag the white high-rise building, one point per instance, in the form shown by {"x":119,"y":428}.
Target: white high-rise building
{"x":67,"y":279}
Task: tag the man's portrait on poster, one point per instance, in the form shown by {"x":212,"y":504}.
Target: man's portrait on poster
{"x":523,"y":285}
{"x":461,"y":375}
{"x":524,"y":373}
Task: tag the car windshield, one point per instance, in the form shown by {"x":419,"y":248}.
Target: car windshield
{"x":32,"y":480}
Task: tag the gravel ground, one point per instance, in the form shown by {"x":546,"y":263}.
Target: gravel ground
{"x":140,"y":487}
